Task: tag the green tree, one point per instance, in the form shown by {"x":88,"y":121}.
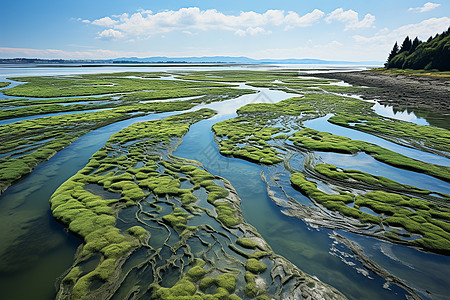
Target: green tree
{"x":414,"y":45}
{"x":406,"y":45}
{"x":393,"y":53}
{"x":432,"y":54}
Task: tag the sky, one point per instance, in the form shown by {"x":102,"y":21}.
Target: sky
{"x":351,"y":30}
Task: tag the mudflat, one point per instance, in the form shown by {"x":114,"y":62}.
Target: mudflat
{"x":423,"y":92}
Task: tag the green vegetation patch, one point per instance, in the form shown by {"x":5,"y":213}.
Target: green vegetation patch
{"x":93,"y":217}
{"x":97,"y":84}
{"x":255,"y":266}
{"x":246,"y":139}
{"x":247,"y":135}
{"x":238,"y":76}
{"x":431,"y":137}
{"x":324,"y":141}
{"x":4,"y":84}
{"x":416,"y":216}
{"x":188,"y":288}
{"x":351,"y":176}
{"x":31,"y":142}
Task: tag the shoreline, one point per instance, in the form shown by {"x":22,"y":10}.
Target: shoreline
{"x":421,"y":92}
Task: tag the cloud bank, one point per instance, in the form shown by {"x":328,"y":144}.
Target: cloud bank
{"x":146,"y":23}
{"x":426,"y":7}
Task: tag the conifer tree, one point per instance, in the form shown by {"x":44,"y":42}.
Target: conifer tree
{"x":414,"y":44}
{"x":393,"y":53}
{"x":406,"y":45}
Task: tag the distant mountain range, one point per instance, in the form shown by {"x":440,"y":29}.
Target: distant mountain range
{"x":188,"y":60}
{"x":236,"y":60}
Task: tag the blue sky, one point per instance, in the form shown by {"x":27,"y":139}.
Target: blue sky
{"x":332,"y":30}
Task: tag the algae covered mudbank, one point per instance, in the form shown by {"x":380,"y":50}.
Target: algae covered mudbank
{"x":269,"y":134}
{"x":263,"y":134}
{"x":156,"y":225}
{"x":26,"y":143}
{"x":144,"y":214}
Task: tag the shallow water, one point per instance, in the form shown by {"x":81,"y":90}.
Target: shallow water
{"x":306,"y":247}
{"x":25,"y":219}
{"x":405,"y":115}
{"x":368,"y":164}
{"x":32,"y":242}
{"x":321,"y":124}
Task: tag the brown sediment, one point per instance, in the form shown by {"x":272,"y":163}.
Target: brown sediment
{"x":423,"y":92}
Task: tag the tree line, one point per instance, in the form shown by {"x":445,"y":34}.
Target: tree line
{"x":415,"y":54}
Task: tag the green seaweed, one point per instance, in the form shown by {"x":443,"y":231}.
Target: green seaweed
{"x":412,"y":214}
{"x":431,"y":137}
{"x":255,"y":266}
{"x":324,"y":141}
{"x":4,"y":84}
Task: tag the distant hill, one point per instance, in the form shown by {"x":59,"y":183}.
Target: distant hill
{"x":416,"y":55}
{"x":186,"y":60}
{"x":239,"y":60}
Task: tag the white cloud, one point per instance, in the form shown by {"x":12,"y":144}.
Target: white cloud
{"x":350,"y":18}
{"x":106,"y":22}
{"x":381,"y":43}
{"x":144,"y":23}
{"x":252,"y":31}
{"x":110,"y":34}
{"x":81,"y":20}
{"x":293,"y":20}
{"x":426,"y":7}
{"x":423,"y":30}
{"x":334,"y":44}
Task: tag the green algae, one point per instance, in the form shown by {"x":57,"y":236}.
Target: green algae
{"x":251,"y":289}
{"x":154,"y":188}
{"x":324,"y":141}
{"x":238,"y":76}
{"x":255,"y":266}
{"x":29,"y":102}
{"x":245,"y":131}
{"x":40,"y":138}
{"x":98,"y":84}
{"x":248,"y":243}
{"x":4,"y":84}
{"x":48,"y":108}
{"x":418,"y":135}
{"x":417,"y":216}
{"x":352,"y":176}
{"x":93,"y":218}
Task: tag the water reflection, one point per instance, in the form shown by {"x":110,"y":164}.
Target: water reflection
{"x":405,"y":115}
